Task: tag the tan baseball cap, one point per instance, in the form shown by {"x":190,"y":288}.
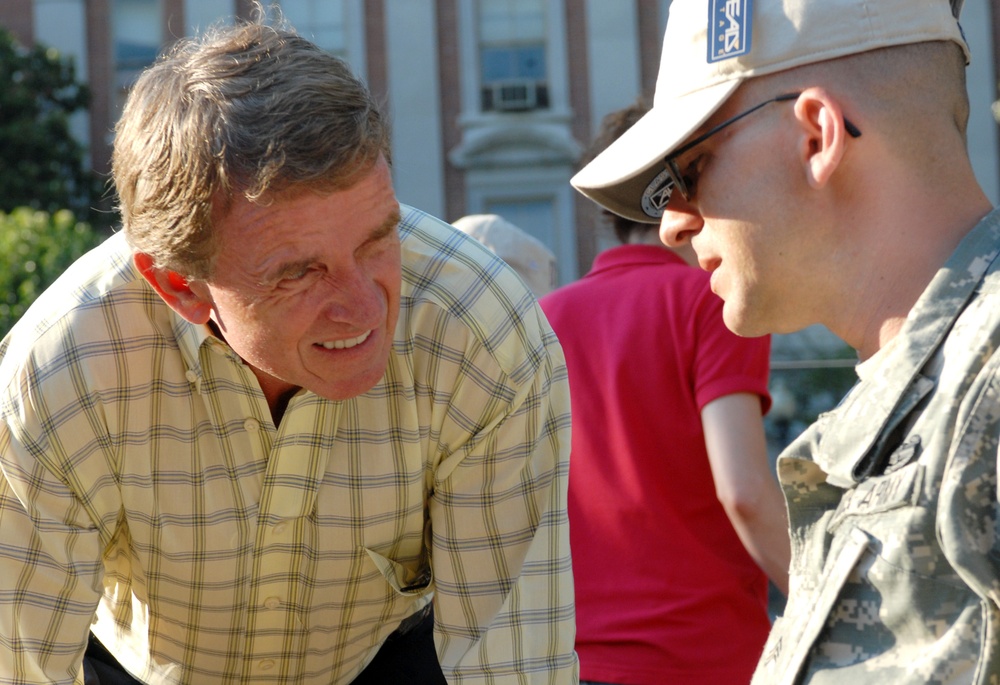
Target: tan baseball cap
{"x":711,"y":46}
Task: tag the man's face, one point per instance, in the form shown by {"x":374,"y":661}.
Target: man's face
{"x":305,"y":288}
{"x":749,"y":225}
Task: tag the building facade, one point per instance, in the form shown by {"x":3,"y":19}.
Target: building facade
{"x":492,"y":101}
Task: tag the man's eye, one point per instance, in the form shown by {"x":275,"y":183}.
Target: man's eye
{"x":298,"y":278}
{"x":692,"y":166}
{"x":690,"y":173}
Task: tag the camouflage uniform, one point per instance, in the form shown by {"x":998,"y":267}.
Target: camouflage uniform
{"x":892,"y":500}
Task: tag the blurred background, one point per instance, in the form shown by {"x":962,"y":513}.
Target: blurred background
{"x":492,"y":102}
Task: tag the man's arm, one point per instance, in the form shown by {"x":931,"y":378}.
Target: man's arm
{"x":500,"y":555}
{"x":744,"y":484}
{"x":50,"y":562}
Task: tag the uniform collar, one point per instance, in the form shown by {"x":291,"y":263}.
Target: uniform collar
{"x":877,"y":404}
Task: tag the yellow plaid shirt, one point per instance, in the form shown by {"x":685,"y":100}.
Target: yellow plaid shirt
{"x":147,"y":496}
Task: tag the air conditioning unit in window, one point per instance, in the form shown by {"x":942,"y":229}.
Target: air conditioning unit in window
{"x":515,"y":96}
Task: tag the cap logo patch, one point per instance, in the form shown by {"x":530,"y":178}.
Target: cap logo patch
{"x":656,"y":195}
{"x":729,"y":28}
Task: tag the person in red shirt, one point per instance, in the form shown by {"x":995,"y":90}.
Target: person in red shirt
{"x":676,"y":520}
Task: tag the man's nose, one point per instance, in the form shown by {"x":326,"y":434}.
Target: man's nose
{"x":680,"y":222}
{"x":353,"y":297}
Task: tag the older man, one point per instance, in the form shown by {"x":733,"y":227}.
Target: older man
{"x":258,"y":436}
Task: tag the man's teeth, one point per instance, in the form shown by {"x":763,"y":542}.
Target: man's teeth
{"x":346,"y":344}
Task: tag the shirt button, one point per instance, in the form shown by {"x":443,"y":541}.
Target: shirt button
{"x":272,"y":602}
{"x":266,"y":664}
{"x":280,"y":528}
{"x":251,"y":425}
{"x":191,"y":376}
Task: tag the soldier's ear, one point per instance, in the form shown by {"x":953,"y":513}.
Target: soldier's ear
{"x":823,"y":135}
{"x":194,"y":304}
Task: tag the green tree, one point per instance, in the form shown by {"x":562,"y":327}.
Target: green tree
{"x":41,"y":163}
{"x":35,"y":248}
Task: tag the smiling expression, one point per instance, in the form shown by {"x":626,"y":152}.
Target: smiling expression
{"x":305,"y":288}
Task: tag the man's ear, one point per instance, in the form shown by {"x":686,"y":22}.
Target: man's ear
{"x":824,"y":135}
{"x":174,"y":289}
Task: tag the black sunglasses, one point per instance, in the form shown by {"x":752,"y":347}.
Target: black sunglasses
{"x":686,"y":181}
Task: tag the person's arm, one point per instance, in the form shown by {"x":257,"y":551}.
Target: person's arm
{"x":744,"y":484}
{"x":500,"y":537}
{"x":50,"y":561}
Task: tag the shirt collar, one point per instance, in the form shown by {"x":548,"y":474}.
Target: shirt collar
{"x":632,"y":255}
{"x":895,"y":386}
{"x":191,"y":338}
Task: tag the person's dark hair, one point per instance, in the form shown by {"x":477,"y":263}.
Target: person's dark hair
{"x":253,"y":110}
{"x":612,"y":127}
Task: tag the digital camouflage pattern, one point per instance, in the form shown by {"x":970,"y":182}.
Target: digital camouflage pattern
{"x":892,"y":498}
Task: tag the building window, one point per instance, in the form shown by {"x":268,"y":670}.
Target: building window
{"x":137,"y":38}
{"x":512,"y":60}
{"x":321,"y":21}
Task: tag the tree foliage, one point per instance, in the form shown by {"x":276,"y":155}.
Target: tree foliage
{"x":35,"y":248}
{"x":41,"y":163}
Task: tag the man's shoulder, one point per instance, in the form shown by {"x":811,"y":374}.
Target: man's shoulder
{"x":95,"y":296}
{"x":443,"y":265}
{"x":454,"y":285}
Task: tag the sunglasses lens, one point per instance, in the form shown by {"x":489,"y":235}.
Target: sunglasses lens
{"x":683,"y":183}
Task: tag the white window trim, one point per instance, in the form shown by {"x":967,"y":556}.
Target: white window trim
{"x":555,"y":58}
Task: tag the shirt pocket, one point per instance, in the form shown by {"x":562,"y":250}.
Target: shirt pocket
{"x":407,"y":580}
{"x":793,"y":635}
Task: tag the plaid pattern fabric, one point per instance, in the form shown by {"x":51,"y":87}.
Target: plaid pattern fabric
{"x":147,"y":496}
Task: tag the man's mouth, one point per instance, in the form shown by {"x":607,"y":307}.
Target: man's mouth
{"x":346,"y":344}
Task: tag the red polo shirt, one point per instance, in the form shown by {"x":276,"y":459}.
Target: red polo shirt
{"x":665,"y":591}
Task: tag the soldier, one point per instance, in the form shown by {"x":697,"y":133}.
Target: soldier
{"x":813,"y":152}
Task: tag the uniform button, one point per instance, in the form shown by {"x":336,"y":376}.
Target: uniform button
{"x":272,"y":602}
{"x":266,"y":664}
{"x":251,"y":425}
